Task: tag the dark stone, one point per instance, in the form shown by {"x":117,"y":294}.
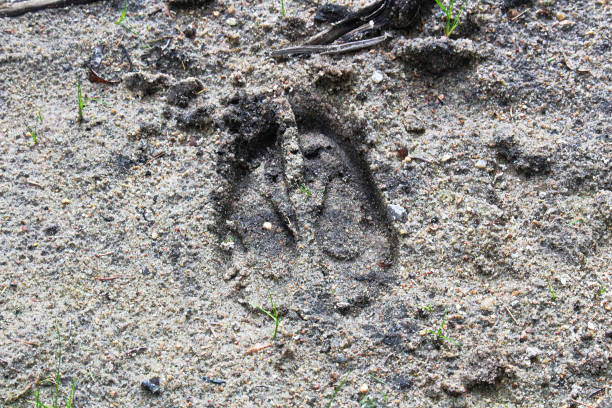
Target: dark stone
{"x":189,"y":32}
{"x":340,"y":358}
{"x":151,"y":385}
{"x":52,"y":230}
{"x":404,"y":383}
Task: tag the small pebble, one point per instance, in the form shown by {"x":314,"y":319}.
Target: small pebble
{"x":561,"y":16}
{"x":488,"y":304}
{"x":154,"y":235}
{"x":231,"y":22}
{"x":267,"y":226}
{"x":231,"y":10}
{"x":396,"y":212}
{"x":341,"y":358}
{"x":377,"y":77}
{"x":152,"y":385}
{"x":481,"y":164}
{"x":363,"y":389}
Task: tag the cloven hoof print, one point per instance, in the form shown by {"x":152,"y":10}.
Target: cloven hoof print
{"x":306,"y":203}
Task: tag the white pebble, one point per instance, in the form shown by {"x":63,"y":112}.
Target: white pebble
{"x":481,"y":164}
{"x":377,"y":77}
{"x":231,"y":21}
{"x":267,"y":226}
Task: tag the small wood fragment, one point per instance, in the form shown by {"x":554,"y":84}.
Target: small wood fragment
{"x":17,"y":9}
{"x":510,"y":313}
{"x":112,"y":277}
{"x":258,"y":347}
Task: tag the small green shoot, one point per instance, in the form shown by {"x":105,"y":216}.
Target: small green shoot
{"x":304,"y":189}
{"x":439,"y":334}
{"x":33,"y":131}
{"x":123,"y":12}
{"x":123,"y":23}
{"x":426,"y":308}
{"x":273,"y":315}
{"x":283,"y":8}
{"x":80,"y":100}
{"x":67,"y":402}
{"x":448,"y":10}
{"x":83,"y":101}
{"x":602,"y":290}
{"x":378,"y":380}
{"x":337,"y":390}
{"x":552,"y":291}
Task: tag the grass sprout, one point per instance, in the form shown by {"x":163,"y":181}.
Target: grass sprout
{"x":602,"y":290}
{"x":451,"y":23}
{"x":67,"y":402}
{"x":123,"y":12}
{"x":552,"y":291}
{"x":32,"y":131}
{"x":273,"y":315}
{"x":426,"y":308}
{"x":337,"y":390}
{"x":439,"y":334}
{"x":283,"y":8}
{"x":304,"y":189}
{"x":80,"y":100}
{"x":83,"y":101}
{"x":123,"y":23}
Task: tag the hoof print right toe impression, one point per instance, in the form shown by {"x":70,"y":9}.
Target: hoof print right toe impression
{"x":299,"y":200}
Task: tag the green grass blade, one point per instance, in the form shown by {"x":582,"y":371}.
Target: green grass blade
{"x":80,"y":100}
{"x":265,"y":311}
{"x":58,"y":375}
{"x":337,"y":390}
{"x":442,"y":6}
{"x":71,"y":396}
{"x":123,"y":12}
{"x":456,"y":22}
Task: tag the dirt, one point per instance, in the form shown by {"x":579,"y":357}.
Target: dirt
{"x":431,"y":217}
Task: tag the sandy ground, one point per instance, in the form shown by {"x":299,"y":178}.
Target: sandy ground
{"x":432,"y":217}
